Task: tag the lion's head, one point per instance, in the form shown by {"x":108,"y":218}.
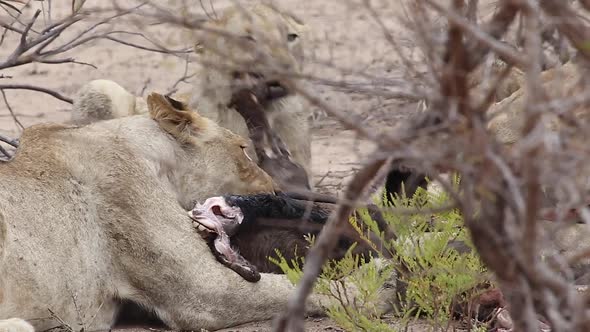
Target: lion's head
{"x":246,"y":47}
{"x":213,"y":158}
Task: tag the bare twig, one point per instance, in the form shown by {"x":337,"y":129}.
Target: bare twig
{"x":8,"y":141}
{"x":19,"y":13}
{"x":50,"y":92}
{"x":6,"y":154}
{"x":292,"y":319}
{"x":486,"y":39}
{"x":184,"y":78}
{"x":9,"y":5}
{"x":36,"y":49}
{"x":14,"y":117}
{"x":568,"y":23}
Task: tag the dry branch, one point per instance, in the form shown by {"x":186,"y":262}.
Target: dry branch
{"x":292,"y":319}
{"x":37,"y":48}
{"x":487,"y":38}
{"x":50,"y":46}
{"x":506,"y":230}
{"x":501,"y":188}
{"x":5,"y":155}
{"x":10,"y":110}
{"x":568,"y":23}
{"x":9,"y":141}
{"x":50,"y":92}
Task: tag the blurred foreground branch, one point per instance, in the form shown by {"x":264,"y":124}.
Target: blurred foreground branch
{"x":503,"y":188}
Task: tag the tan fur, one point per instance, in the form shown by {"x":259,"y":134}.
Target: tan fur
{"x":288,"y":116}
{"x":95,"y":213}
{"x":489,"y":74}
{"x":507,"y":116}
{"x":184,"y":125}
{"x":104,"y":100}
{"x":560,"y":84}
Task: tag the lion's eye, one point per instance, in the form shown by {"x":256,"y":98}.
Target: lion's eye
{"x":292,"y":36}
{"x":249,"y":38}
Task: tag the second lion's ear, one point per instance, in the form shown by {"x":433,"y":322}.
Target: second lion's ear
{"x":174,"y":117}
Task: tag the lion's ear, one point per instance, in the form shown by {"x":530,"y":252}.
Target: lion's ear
{"x":174,"y":117}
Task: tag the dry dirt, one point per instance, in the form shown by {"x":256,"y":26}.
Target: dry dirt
{"x":311,"y":324}
{"x":342,"y":35}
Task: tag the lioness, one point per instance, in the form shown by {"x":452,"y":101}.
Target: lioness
{"x":267,"y":39}
{"x":90,"y":215}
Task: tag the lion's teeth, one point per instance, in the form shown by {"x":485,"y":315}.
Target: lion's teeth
{"x":201,"y":228}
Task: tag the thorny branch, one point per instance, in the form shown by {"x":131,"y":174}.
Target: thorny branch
{"x":324,"y":245}
{"x":5,"y":155}
{"x":502,"y":187}
{"x":37,"y":48}
{"x":10,"y":110}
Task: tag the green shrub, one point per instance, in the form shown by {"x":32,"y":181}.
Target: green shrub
{"x":434,"y":275}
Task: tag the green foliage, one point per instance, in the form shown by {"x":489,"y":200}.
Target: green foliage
{"x":435,"y":275}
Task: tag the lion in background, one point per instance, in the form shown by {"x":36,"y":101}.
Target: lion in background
{"x":101,"y":100}
{"x":273,"y":40}
{"x":506,"y":117}
{"x":96,"y":214}
{"x":15,"y":325}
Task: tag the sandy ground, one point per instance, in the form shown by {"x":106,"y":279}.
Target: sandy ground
{"x":344,"y":36}
{"x":311,"y":324}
